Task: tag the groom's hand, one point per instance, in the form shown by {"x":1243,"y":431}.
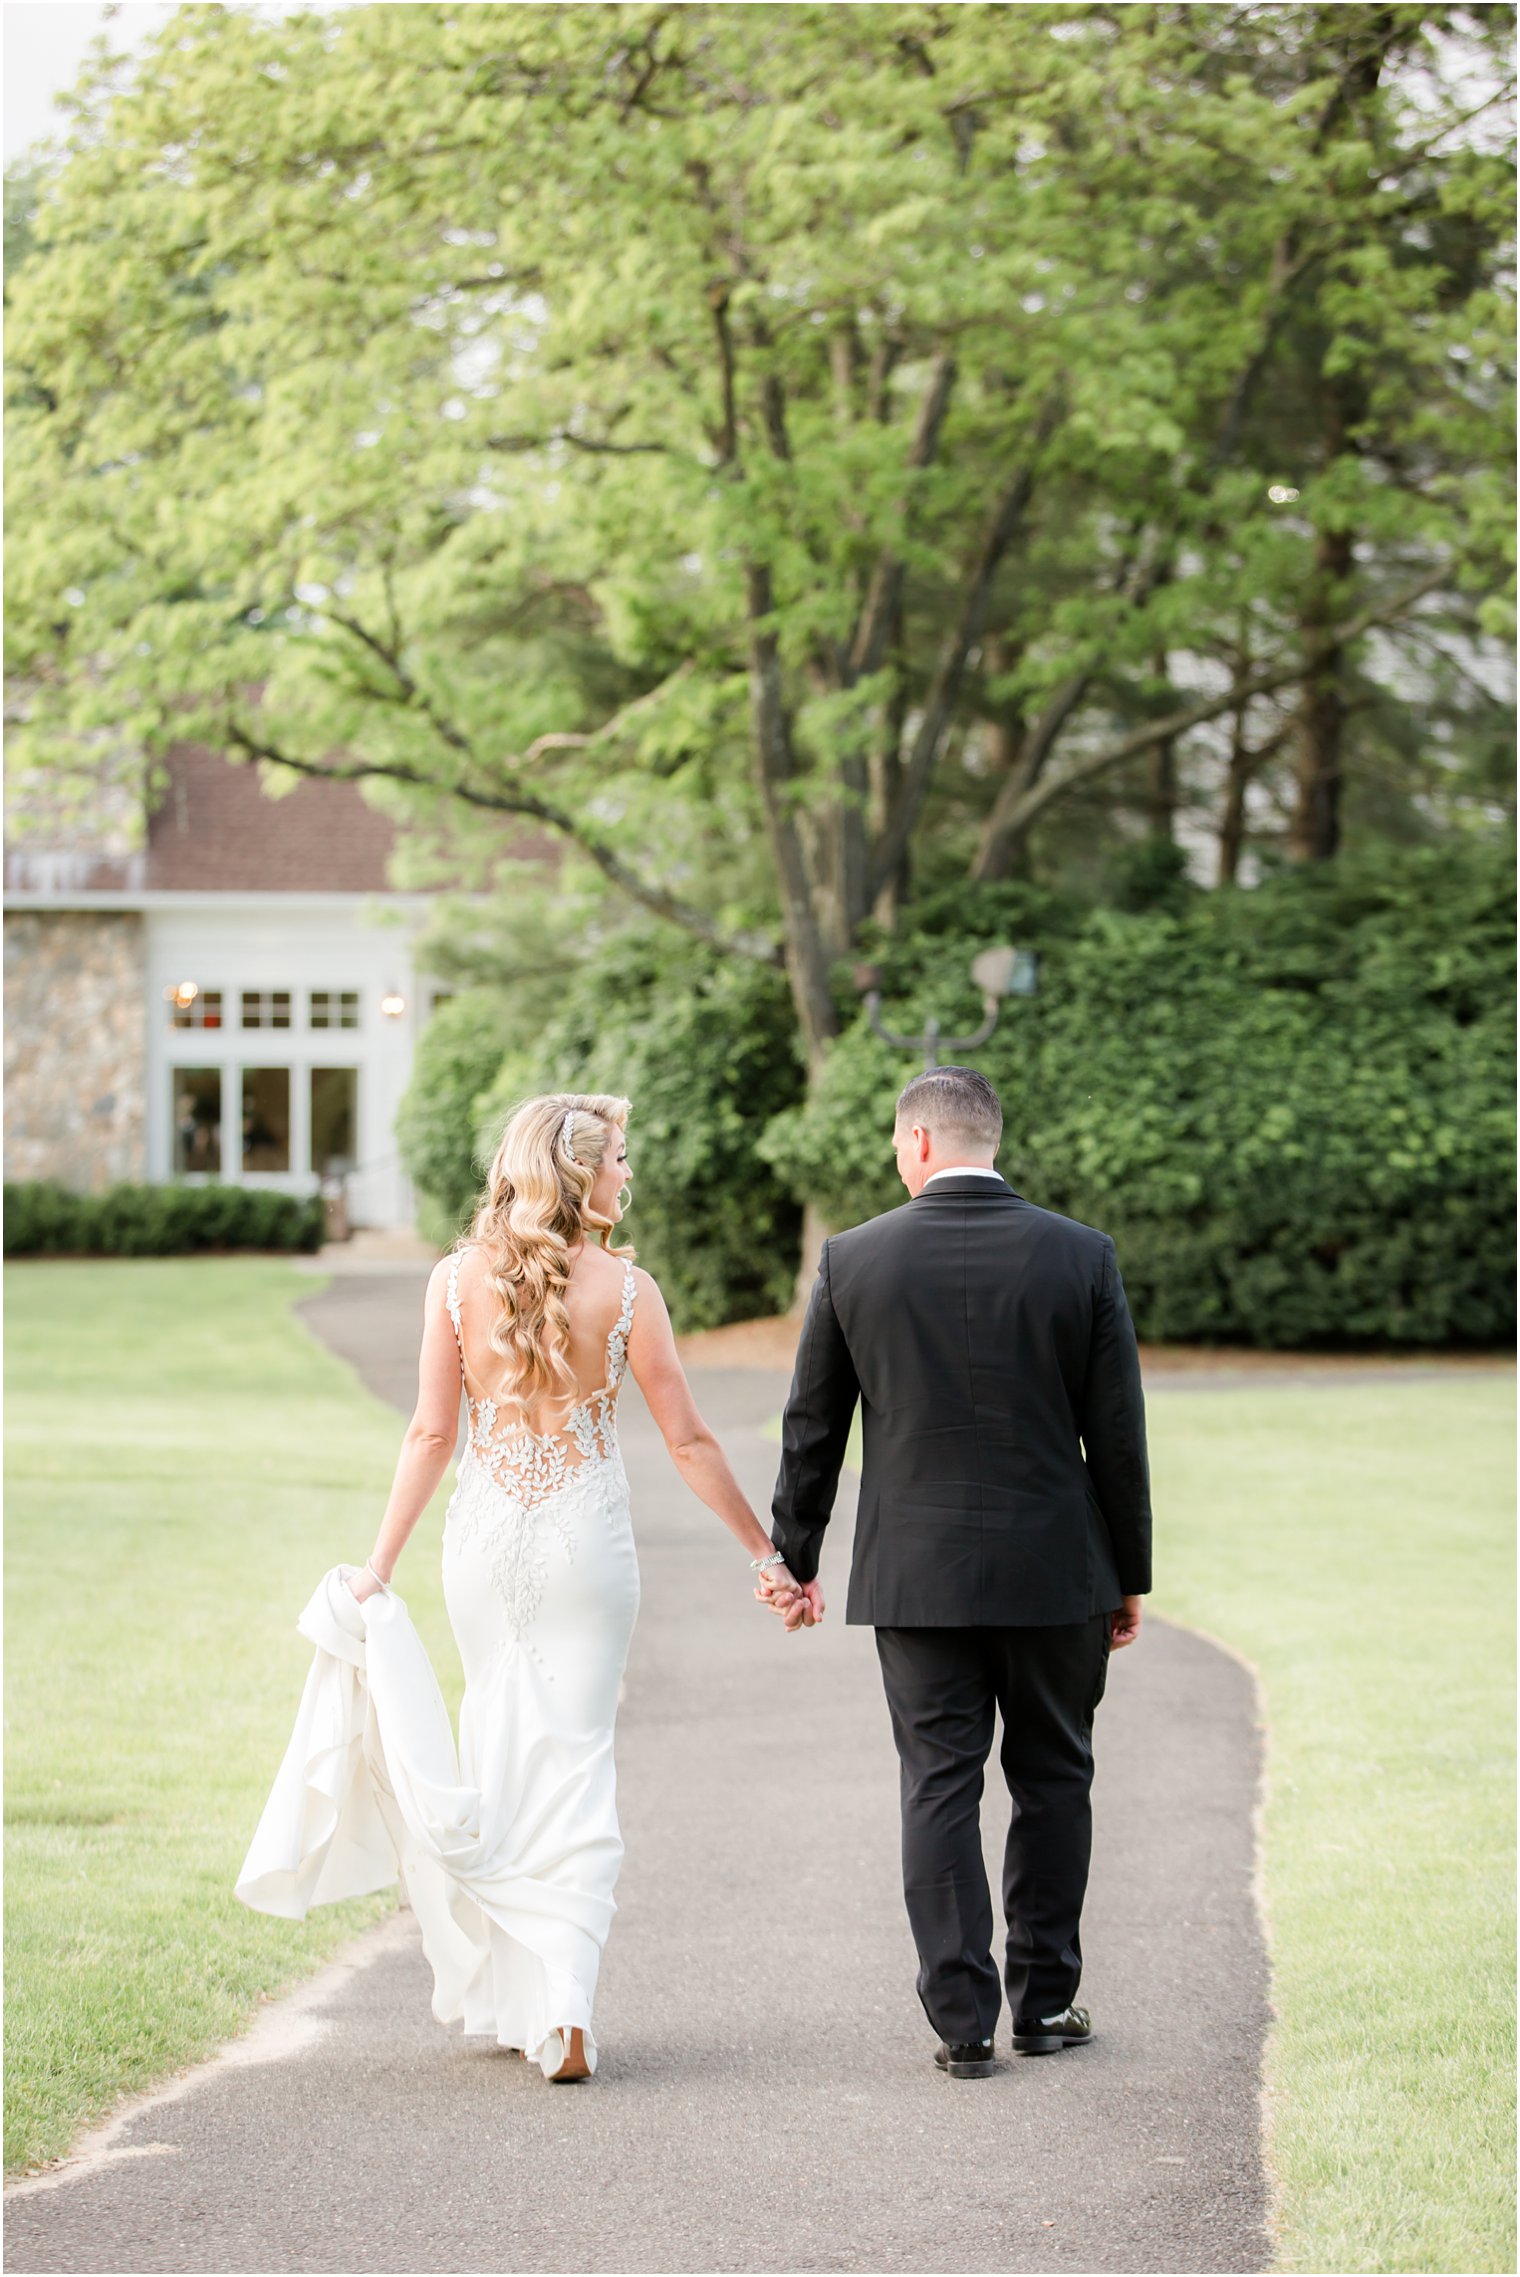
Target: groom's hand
{"x":799,"y":1607}
{"x":806,"y":1609}
{"x":1125,"y":1624}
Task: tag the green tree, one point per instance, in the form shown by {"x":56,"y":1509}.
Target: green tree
{"x":773,"y":451}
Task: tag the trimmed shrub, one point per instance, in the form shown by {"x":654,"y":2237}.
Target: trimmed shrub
{"x":458,"y":1054}
{"x":1292,"y":1107}
{"x":44,"y":1219}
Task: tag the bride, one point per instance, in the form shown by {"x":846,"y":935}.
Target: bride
{"x":538,"y":1315}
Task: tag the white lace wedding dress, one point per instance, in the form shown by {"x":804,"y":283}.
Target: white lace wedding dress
{"x":508,"y":1854}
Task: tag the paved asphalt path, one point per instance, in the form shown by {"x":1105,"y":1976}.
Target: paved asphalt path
{"x":766,"y":2098}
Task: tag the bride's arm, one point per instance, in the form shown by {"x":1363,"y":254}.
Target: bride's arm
{"x":428,"y":1445}
{"x":695,"y":1452}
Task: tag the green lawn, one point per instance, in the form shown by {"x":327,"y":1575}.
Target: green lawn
{"x":1354,"y":1543}
{"x":184,"y":1462}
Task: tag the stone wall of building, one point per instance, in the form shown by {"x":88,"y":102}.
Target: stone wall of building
{"x":76,"y":1046}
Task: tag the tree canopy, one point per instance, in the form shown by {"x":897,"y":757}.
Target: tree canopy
{"x":783,"y":453}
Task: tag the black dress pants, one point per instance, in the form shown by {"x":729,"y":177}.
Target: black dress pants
{"x":942,"y":1687}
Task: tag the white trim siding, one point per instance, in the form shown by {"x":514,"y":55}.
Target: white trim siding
{"x":299,"y":942}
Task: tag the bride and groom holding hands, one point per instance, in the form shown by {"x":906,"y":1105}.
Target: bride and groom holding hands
{"x":1002,"y":1548}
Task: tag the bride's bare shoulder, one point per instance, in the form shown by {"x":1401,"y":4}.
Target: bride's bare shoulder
{"x":649,"y":1302}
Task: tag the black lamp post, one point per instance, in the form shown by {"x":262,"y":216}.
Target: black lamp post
{"x":996,"y":972}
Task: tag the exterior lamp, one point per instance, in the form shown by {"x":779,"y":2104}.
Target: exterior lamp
{"x":393,"y":1004}
{"x":182,"y":993}
{"x":997,"y":973}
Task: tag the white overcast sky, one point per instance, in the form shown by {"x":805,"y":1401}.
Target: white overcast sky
{"x":45,"y":43}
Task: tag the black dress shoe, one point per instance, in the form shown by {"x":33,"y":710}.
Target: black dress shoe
{"x":1042,"y":2035}
{"x":972,"y":2059}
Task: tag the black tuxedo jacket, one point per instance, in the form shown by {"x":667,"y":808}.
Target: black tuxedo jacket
{"x":990,"y":1348}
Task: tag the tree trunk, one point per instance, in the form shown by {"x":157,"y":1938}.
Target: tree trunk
{"x":1243,"y":763}
{"x":815,"y":1232}
{"x":884,"y":768}
{"x":1161,"y":792}
{"x":1007,"y":735}
{"x":1004,"y":848}
{"x":1315,"y":834}
{"x":1232,"y":824}
{"x":807,"y":956}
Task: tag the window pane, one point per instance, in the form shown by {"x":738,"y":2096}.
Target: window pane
{"x":266,"y":1118}
{"x":196,"y":1099}
{"x":202,"y":1010}
{"x":334,"y":1119}
{"x":334,"y":1008}
{"x":266,"y":1007}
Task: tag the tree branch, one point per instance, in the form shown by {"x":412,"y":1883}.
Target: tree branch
{"x":566,"y":740}
{"x":944,"y":689}
{"x":593,"y":447}
{"x":1259,"y":682}
{"x":876,"y":617}
{"x":991,"y":859}
{"x":512,"y":797}
{"x":807,"y":957}
{"x":512,"y":800}
{"x":727,"y":438}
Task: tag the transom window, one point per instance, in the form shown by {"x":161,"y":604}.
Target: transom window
{"x":266,"y":1007}
{"x":192,"y":1007}
{"x":335,"y":1008}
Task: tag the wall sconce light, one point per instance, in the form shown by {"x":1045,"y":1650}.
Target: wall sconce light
{"x":393,"y":1004}
{"x":182,"y":993}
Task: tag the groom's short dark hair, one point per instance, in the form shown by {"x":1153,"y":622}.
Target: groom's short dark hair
{"x":953,"y":1103}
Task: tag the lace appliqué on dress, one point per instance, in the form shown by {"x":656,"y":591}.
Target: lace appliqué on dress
{"x":518,"y":1488}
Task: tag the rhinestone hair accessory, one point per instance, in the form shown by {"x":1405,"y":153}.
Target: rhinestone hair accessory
{"x":565,"y":1130}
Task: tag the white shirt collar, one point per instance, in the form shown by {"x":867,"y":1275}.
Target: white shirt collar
{"x":964,"y":1170}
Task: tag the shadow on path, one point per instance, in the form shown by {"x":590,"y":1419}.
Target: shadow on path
{"x":766,"y":2099}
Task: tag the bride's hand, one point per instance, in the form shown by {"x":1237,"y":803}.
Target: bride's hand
{"x":800,"y":1605}
{"x":362,"y":1583}
{"x":776,"y":1589}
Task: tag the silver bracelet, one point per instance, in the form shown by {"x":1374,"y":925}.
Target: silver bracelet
{"x":758,"y":1565}
{"x":385,"y":1585}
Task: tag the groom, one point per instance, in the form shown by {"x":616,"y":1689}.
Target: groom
{"x":1002,"y":1544}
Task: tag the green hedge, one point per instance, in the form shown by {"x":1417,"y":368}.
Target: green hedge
{"x":1293,"y":1107}
{"x":703,"y":1046}
{"x":458,"y":1055}
{"x":44,"y":1219}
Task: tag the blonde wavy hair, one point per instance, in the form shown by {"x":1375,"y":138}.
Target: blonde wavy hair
{"x":535,"y":1205}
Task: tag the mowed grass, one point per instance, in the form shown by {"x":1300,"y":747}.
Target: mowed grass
{"x":1354,"y":1542}
{"x":184,"y":1462}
